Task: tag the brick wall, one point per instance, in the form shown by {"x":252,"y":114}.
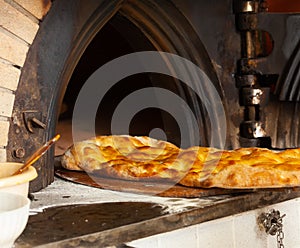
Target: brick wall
{"x":19,"y":23}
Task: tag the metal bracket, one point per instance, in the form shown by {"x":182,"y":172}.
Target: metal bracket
{"x":32,"y":120}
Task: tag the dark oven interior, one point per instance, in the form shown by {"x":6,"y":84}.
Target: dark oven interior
{"x":249,"y":50}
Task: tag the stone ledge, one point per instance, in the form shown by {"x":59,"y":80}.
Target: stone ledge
{"x":95,"y":234}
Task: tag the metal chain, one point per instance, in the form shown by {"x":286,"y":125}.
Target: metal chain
{"x":272,"y":222}
{"x":280,"y":237}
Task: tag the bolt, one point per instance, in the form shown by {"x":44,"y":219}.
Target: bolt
{"x":19,"y":152}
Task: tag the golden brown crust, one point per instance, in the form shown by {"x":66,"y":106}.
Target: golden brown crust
{"x":247,"y":168}
{"x":126,"y":157}
{"x":144,"y":158}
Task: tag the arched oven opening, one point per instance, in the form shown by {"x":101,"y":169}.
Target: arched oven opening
{"x":117,"y":38}
{"x":77,"y":38}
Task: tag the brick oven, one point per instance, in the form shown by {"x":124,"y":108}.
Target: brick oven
{"x":249,"y":50}
{"x":43,"y":58}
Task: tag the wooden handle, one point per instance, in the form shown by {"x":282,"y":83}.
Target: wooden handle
{"x":35,"y":156}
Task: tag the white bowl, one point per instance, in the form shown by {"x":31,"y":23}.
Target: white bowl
{"x":18,"y":184}
{"x":14,"y":213}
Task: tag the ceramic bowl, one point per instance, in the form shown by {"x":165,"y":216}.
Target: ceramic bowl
{"x":14,"y":213}
{"x":18,"y":184}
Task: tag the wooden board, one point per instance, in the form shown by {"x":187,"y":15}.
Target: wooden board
{"x":150,"y":188}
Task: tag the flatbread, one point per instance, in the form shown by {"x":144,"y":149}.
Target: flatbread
{"x":125,"y":157}
{"x":144,"y":158}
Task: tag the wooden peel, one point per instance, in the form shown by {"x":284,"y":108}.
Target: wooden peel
{"x":40,"y":152}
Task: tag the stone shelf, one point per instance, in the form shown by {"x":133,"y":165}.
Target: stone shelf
{"x":66,"y":214}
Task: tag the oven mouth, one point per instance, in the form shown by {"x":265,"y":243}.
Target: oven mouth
{"x":59,"y":61}
{"x":118,"y":38}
